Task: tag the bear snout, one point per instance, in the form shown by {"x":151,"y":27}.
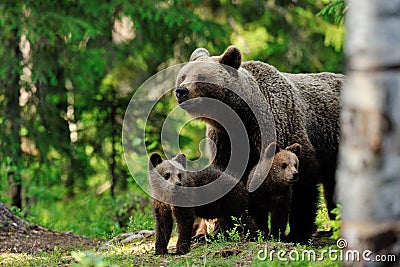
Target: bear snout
{"x":181,"y":93}
{"x":295,"y":177}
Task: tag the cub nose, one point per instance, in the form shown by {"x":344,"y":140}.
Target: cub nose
{"x":181,"y":92}
{"x":178,"y":184}
{"x":295,"y":176}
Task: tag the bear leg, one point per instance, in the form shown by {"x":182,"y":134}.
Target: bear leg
{"x":303,"y":209}
{"x":279,"y":220}
{"x":184,"y":220}
{"x":164,"y":223}
{"x":222,"y":225}
{"x":260,"y":217}
{"x":249,"y":226}
{"x":329,"y":184}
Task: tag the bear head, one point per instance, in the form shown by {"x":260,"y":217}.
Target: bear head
{"x":171,"y":171}
{"x":277,"y":167}
{"x":218,"y":77}
{"x":285,"y":163}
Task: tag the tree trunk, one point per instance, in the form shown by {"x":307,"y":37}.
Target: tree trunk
{"x":7,"y":218}
{"x":13,"y":112}
{"x":369,"y":168}
{"x":112,"y":161}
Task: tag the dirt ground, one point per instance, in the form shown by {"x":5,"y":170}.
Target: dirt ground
{"x":35,"y":239}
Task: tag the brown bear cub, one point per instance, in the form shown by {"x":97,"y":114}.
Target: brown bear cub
{"x":275,"y":192}
{"x":168,"y":182}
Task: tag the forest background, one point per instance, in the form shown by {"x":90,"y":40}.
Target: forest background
{"x":70,"y":68}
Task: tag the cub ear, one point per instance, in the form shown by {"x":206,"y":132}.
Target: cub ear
{"x":199,"y":53}
{"x":271,"y":150}
{"x":231,"y":57}
{"x":181,"y":159}
{"x":295,"y":148}
{"x":154,"y":160}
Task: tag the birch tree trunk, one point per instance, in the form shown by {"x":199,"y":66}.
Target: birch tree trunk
{"x":369,"y":166}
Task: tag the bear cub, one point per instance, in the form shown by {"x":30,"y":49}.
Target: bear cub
{"x":275,"y":192}
{"x":168,"y":179}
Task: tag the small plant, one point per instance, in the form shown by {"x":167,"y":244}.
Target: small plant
{"x":141,"y":221}
{"x":90,"y":259}
{"x":336,"y":224}
{"x":310,"y":243}
{"x":210,"y":230}
{"x":260,"y":236}
{"x":234,"y":234}
{"x":221,"y":238}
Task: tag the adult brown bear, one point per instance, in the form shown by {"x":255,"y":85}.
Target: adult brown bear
{"x":305,"y":109}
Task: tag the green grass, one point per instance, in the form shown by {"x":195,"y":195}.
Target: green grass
{"x":220,"y":253}
{"x":96,"y":218}
{"x":94,"y":215}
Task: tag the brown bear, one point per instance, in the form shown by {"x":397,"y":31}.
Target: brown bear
{"x":299,"y":108}
{"x":167,"y":178}
{"x":275,"y":193}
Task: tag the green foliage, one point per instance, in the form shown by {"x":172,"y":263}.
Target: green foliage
{"x":287,"y":35}
{"x":336,"y":224}
{"x":141,"y":220}
{"x":260,"y":236}
{"x":90,"y":259}
{"x":233,"y":233}
{"x":334,"y":11}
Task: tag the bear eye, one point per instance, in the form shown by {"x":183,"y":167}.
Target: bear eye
{"x":201,"y":78}
{"x":284,"y":165}
{"x":166,"y":176}
{"x":183,"y":77}
{"x":180,"y":176}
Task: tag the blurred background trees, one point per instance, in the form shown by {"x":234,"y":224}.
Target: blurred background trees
{"x":69,"y":69}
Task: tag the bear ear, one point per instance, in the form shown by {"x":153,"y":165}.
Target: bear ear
{"x":231,"y":57}
{"x":295,"y":148}
{"x":154,"y":160}
{"x":199,"y":53}
{"x":271,"y":150}
{"x":181,"y":159}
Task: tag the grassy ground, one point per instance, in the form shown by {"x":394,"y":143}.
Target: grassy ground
{"x":221,"y":252}
{"x":218,"y":253}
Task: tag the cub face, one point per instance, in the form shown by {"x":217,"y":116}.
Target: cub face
{"x":171,"y":170}
{"x":285,"y":164}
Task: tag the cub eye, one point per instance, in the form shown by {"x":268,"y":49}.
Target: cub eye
{"x":284,"y":165}
{"x":167,"y":175}
{"x":183,"y":77}
{"x":180,"y":176}
{"x":295,"y":165}
{"x":201,"y":78}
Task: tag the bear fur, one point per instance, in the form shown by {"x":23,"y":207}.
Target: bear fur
{"x":275,"y":193}
{"x":305,"y":109}
{"x":167,"y":177}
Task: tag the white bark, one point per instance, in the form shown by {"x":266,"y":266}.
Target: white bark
{"x":369,"y":164}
